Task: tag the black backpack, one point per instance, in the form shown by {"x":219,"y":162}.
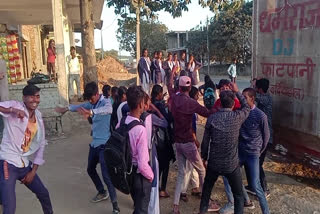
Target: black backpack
{"x":118,"y":157}
{"x":209,"y":98}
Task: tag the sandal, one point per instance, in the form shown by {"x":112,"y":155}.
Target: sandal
{"x":184,"y":197}
{"x":195,"y":192}
{"x":164,"y":194}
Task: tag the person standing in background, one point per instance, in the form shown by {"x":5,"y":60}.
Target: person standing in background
{"x":153,"y":67}
{"x":232,"y":70}
{"x":51,"y":60}
{"x":193,"y":67}
{"x":168,"y":67}
{"x":144,"y":71}
{"x":74,"y":72}
{"x":159,"y":70}
{"x":182,"y":61}
{"x":176,"y":67}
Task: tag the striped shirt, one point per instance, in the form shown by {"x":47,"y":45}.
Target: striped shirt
{"x":254,"y":133}
{"x":264,"y":103}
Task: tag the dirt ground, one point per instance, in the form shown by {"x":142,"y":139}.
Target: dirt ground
{"x":294,"y":188}
{"x":113,"y":73}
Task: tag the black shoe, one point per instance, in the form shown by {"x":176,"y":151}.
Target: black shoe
{"x":116,"y":209}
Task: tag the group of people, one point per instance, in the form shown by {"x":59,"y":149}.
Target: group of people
{"x":238,"y":132}
{"x":73,"y":64}
{"x":165,"y":72}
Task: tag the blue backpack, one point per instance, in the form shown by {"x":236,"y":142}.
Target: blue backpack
{"x":209,"y":98}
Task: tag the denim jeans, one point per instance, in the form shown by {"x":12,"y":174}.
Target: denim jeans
{"x":96,"y":156}
{"x":263,"y":179}
{"x":235,"y":181}
{"x":74,"y":78}
{"x":9,"y":174}
{"x":229,"y":194}
{"x":251,"y":163}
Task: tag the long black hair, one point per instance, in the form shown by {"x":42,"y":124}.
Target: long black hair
{"x":121,"y":92}
{"x":156,"y":90}
{"x":208,"y":83}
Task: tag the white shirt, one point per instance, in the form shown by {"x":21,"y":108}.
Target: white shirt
{"x":192,"y":67}
{"x":232,"y":70}
{"x":14,"y":134}
{"x":119,"y":111}
{"x":170,"y":64}
{"x":74,"y":65}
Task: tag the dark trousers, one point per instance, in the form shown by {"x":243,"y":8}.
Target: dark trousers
{"x":158,"y":77}
{"x":235,"y":181}
{"x":140,"y":192}
{"x":9,"y":174}
{"x":164,"y":164}
{"x":96,"y":156}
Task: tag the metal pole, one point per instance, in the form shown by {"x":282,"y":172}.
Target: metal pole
{"x":138,"y":40}
{"x":102,"y":55}
{"x":208,"y":45}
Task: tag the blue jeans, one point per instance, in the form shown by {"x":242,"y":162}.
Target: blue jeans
{"x":9,"y":174}
{"x":96,"y":156}
{"x":229,"y":194}
{"x":251,"y":163}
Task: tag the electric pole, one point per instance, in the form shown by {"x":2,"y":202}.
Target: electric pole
{"x":137,"y":4}
{"x":208,"y":45}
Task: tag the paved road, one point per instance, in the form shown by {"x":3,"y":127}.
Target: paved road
{"x":67,"y":180}
{"x":242,"y":83}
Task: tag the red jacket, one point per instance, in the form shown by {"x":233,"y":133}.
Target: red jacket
{"x":217,"y":104}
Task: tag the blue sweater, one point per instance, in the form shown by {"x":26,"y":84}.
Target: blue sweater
{"x":254,"y":133}
{"x":100,"y":121}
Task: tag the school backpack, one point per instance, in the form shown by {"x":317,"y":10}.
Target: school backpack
{"x":118,"y":157}
{"x":209,"y":98}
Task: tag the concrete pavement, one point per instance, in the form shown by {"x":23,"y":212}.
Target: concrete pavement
{"x":66,"y":178}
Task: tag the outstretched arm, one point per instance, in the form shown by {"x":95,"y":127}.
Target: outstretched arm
{"x":7,"y":108}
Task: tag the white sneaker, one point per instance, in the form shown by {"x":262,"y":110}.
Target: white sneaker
{"x":227,"y":209}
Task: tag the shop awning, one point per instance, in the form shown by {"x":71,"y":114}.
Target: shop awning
{"x":39,"y":12}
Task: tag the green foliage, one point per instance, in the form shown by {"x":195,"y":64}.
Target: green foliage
{"x":152,"y":35}
{"x":197,"y":42}
{"x":149,"y":7}
{"x":220,"y":5}
{"x":230,"y":33}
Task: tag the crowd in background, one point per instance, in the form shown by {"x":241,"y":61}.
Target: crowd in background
{"x":164,"y":111}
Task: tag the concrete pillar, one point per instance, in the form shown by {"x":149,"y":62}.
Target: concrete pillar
{"x":178,"y":40}
{"x":4,"y":90}
{"x":71,"y":34}
{"x":59,"y":35}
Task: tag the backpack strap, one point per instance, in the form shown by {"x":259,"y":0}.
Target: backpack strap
{"x":144,"y":116}
{"x":133,"y":124}
{"x":123,"y":121}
